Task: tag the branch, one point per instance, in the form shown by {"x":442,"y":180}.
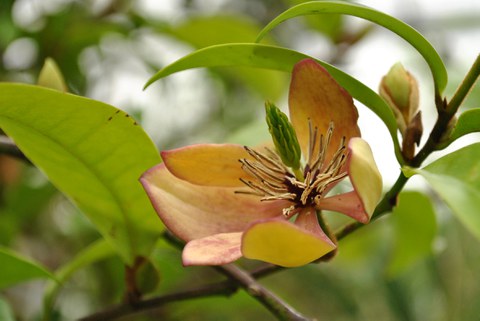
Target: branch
{"x":273,"y":303}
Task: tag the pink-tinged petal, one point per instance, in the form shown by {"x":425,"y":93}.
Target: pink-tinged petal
{"x":192,"y":211}
{"x":207,"y":164}
{"x":316,"y":96}
{"x":283,"y":243}
{"x":348,"y":204}
{"x":217,"y":249}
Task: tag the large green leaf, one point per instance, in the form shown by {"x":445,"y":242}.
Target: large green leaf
{"x":277,"y":58}
{"x":405,"y":31}
{"x":468,"y":122}
{"x":92,"y":152}
{"x":6,"y":313}
{"x":206,"y":31}
{"x":414,"y":231}
{"x":15,"y":269}
{"x":456,"y":178}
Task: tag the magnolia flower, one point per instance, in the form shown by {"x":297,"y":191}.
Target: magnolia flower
{"x":227,"y":201}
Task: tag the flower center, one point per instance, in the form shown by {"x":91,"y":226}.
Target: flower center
{"x":273,"y":180}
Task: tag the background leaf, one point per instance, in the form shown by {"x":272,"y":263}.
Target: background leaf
{"x":415,"y":228}
{"x":97,"y":251}
{"x":467,"y":123}
{"x":456,"y":178}
{"x":92,"y":152}
{"x":277,"y":58}
{"x":405,"y":31}
{"x":15,"y":269}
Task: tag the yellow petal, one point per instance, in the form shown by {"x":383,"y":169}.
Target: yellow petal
{"x":193,"y":211}
{"x":315,"y":95}
{"x":208,"y":164}
{"x":282,"y":243}
{"x":364,"y":174}
{"x":51,"y":77}
{"x":213,"y":250}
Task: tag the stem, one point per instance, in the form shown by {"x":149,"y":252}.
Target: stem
{"x":465,"y":87}
{"x":388,"y":202}
{"x":274,"y":304}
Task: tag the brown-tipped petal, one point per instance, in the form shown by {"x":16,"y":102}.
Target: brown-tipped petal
{"x":283,"y":243}
{"x":315,"y":95}
{"x":208,"y":164}
{"x":364,"y":174}
{"x":213,"y":250}
{"x":192,"y":211}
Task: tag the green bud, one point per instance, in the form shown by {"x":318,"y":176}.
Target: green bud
{"x":400,"y":89}
{"x":51,"y":77}
{"x":283,"y":135}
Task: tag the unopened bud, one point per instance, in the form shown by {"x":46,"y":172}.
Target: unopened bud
{"x":400,"y":89}
{"x":51,"y":77}
{"x":283,"y":135}
{"x":412,"y":136}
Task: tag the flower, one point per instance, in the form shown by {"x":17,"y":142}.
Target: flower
{"x":228,"y":201}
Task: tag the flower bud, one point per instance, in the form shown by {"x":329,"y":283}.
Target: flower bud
{"x":51,"y":77}
{"x":283,"y":135}
{"x":400,"y":89}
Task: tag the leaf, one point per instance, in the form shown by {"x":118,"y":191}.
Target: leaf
{"x":467,"y":123}
{"x":212,"y":30}
{"x":6,"y":313}
{"x":456,"y":178}
{"x":16,"y":269}
{"x":97,"y":251}
{"x":405,"y":31}
{"x":92,"y":152}
{"x":414,"y":231}
{"x":276,"y":58}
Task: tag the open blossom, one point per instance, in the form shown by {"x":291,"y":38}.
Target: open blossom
{"x":227,"y":201}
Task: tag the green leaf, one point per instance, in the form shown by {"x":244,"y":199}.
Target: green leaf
{"x":276,"y":58}
{"x":456,"y":178}
{"x":414,"y":231}
{"x":6,"y":313}
{"x":467,"y":123}
{"x":405,"y":31}
{"x":201,"y":32}
{"x":97,"y":251}
{"x":92,"y":152}
{"x":16,"y":269}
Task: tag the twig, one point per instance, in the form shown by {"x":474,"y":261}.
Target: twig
{"x":273,"y":303}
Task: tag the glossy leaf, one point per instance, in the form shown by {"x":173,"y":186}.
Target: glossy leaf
{"x":206,"y":31}
{"x":97,"y":251}
{"x":467,"y":123}
{"x":405,"y":31}
{"x":276,"y":58}
{"x":456,"y":178}
{"x":92,"y":152}
{"x":16,"y":269}
{"x":414,"y":231}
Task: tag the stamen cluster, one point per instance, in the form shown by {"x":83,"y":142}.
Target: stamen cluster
{"x":273,"y":180}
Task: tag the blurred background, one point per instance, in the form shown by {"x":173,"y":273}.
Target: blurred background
{"x":108,"y":49}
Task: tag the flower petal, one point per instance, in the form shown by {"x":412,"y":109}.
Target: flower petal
{"x":207,"y":164}
{"x":367,"y":184}
{"x":217,"y":249}
{"x":282,"y":243}
{"x":316,"y":96}
{"x":348,"y":204}
{"x":192,"y":211}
